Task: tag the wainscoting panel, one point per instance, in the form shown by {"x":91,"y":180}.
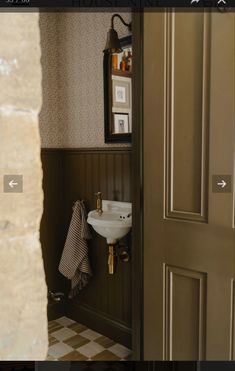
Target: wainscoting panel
{"x":105,"y":304}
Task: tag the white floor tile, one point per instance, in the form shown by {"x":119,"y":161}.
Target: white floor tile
{"x":90,"y":334}
{"x":119,"y":350}
{"x":63,"y":334}
{"x":59,"y":350}
{"x":91,"y":349}
{"x":65,"y":321}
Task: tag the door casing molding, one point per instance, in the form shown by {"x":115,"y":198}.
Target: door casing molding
{"x":137,"y":189}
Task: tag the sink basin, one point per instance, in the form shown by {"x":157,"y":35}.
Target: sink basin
{"x":115,"y":221}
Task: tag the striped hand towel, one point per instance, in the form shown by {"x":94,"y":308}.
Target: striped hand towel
{"x":74,"y":263}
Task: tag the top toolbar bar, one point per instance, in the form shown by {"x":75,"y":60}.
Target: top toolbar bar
{"x":135,"y":4}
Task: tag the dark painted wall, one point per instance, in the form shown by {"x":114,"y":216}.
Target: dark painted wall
{"x":52,"y":226}
{"x":105,"y":304}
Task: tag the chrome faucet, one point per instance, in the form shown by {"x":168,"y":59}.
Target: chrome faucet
{"x":99,"y":203}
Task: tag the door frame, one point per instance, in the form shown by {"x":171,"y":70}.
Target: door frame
{"x":137,"y":189}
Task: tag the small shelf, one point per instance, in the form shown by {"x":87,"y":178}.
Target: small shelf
{"x":122,"y":73}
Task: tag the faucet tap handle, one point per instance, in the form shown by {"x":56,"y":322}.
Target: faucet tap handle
{"x":98,"y":194}
{"x":99,"y":203}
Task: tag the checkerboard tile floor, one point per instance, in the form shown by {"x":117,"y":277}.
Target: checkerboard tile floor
{"x":71,"y":341}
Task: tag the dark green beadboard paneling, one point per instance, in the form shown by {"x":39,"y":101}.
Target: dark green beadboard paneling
{"x":73,"y":174}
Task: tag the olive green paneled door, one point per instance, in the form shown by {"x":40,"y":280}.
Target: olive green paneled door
{"x":189,"y":260}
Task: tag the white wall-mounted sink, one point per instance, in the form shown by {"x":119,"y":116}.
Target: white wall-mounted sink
{"x":115,"y":221}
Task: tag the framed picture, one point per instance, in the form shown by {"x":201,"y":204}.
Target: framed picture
{"x":121,"y":92}
{"x":118,"y":72}
{"x":121,"y":123}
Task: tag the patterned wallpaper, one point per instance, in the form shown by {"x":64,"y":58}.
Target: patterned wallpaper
{"x":72,"y":63}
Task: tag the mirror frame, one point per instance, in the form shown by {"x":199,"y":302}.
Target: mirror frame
{"x":108,"y":135}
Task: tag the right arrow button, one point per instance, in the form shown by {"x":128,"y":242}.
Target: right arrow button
{"x":221,"y":183}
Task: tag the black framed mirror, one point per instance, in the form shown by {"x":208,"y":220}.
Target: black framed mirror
{"x":117,"y":70}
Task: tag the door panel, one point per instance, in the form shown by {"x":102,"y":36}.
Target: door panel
{"x":185,"y":292}
{"x":188,"y":230}
{"x":186,"y":113}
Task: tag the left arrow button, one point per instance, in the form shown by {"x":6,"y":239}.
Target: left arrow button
{"x":13,"y":183}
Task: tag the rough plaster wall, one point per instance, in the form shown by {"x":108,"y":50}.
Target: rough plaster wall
{"x":23,"y":319}
{"x":73,"y":74}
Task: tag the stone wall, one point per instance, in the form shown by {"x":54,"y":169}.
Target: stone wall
{"x":23,"y":320}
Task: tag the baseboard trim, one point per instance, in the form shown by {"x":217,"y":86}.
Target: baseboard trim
{"x":55,"y":310}
{"x":99,"y":322}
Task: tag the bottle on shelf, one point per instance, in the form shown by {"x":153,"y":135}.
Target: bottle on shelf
{"x":114,"y":61}
{"x":123,"y":62}
{"x":129,"y":61}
